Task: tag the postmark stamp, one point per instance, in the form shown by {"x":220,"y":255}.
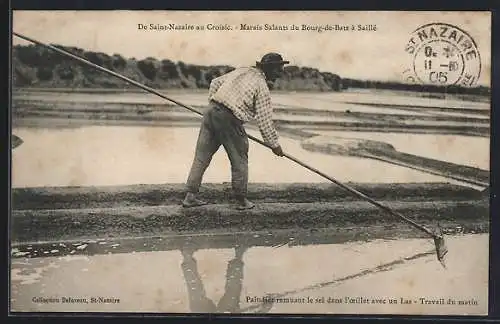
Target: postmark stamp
{"x":442,"y":54}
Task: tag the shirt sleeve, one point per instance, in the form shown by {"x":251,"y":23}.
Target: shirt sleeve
{"x":264,"y":114}
{"x":214,"y":86}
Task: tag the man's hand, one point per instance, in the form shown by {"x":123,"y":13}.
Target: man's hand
{"x":278,"y":151}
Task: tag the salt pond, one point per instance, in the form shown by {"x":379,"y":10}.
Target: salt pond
{"x":120,"y":155}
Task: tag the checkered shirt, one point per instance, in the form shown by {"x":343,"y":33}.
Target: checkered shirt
{"x":245,"y":92}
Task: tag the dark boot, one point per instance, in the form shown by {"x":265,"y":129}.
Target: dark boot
{"x":244,"y":203}
{"x":191,"y":201}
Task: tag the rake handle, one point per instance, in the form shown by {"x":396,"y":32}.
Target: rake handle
{"x":361,"y":195}
{"x":151,"y":90}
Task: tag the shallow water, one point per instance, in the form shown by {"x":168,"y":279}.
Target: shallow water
{"x":120,"y":155}
{"x":335,"y":101}
{"x":217,"y":280}
{"x":390,"y":98}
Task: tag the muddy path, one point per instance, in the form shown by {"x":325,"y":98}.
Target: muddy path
{"x":172,"y":194}
{"x":45,"y":214}
{"x":356,"y":217}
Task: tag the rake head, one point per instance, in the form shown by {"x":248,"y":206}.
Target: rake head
{"x":441,"y":249}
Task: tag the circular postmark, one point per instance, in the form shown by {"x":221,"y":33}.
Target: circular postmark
{"x":442,"y":54}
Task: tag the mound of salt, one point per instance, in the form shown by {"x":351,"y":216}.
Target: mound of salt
{"x":344,"y":146}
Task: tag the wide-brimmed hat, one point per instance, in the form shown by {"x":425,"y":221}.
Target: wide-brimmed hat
{"x":272,"y":59}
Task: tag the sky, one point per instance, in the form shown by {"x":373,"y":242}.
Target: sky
{"x":371,"y":54}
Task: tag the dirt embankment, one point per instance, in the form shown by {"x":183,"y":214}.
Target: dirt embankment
{"x":172,"y":194}
{"x":385,"y":152}
{"x":76,"y":212}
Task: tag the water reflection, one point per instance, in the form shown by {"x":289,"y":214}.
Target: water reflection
{"x":198,"y":300}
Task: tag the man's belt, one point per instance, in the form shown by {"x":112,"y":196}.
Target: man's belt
{"x":218,"y":104}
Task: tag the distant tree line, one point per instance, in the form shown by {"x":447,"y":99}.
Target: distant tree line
{"x":387,"y":85}
{"x":35,"y":65}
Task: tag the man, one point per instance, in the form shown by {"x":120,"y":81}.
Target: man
{"x":236,"y":98}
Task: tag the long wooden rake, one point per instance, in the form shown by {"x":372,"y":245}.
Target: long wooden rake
{"x":441,"y":249}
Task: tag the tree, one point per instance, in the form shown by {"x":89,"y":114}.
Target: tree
{"x":44,"y":73}
{"x":147,"y":68}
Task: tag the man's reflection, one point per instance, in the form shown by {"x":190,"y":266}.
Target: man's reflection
{"x":198,"y":301}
